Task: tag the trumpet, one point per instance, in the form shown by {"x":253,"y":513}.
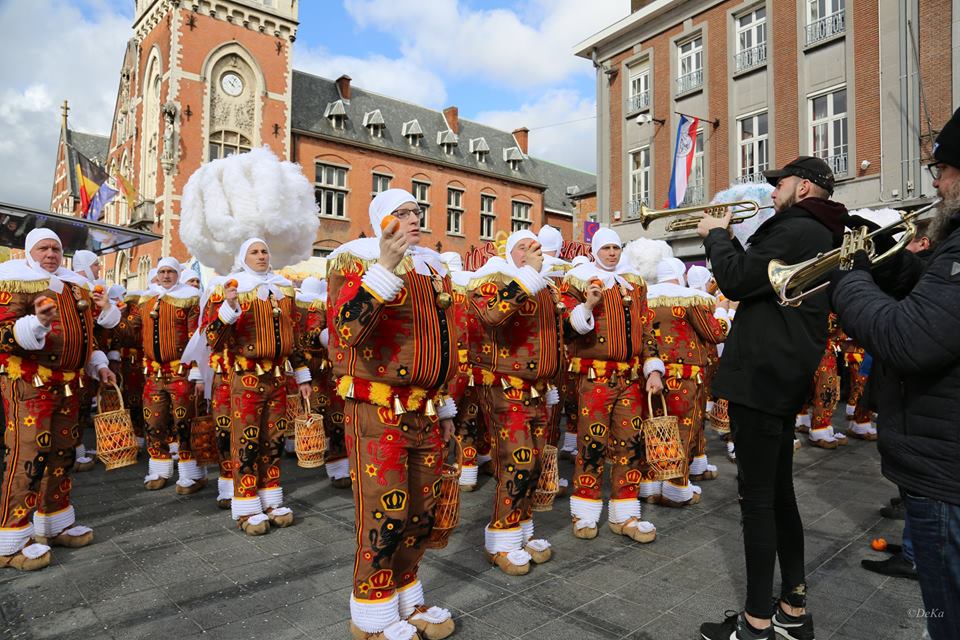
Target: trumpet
{"x":794,"y":283}
{"x":748,"y":207}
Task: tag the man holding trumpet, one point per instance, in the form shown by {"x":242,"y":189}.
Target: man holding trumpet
{"x":768,"y":361}
{"x":908,"y":323}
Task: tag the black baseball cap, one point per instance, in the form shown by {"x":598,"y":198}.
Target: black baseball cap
{"x":806,"y":167}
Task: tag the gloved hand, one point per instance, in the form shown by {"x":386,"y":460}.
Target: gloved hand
{"x":861,"y":262}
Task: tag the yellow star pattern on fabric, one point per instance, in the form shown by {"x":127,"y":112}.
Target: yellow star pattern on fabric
{"x":504,"y":434}
{"x":29,"y":421}
{"x":409,"y":541}
{"x":19,"y":512}
{"x":429,"y":460}
{"x":371,"y":470}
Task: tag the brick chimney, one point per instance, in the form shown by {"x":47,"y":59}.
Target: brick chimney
{"x":521,"y":135}
{"x":343,"y":86}
{"x":452,"y":116}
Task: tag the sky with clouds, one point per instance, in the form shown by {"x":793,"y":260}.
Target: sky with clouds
{"x":507,"y":64}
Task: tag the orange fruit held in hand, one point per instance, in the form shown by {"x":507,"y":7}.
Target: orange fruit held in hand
{"x":878,"y":544}
{"x":98,"y":288}
{"x":231,"y":283}
{"x":597,"y":282}
{"x":387,"y":221}
{"x":47,"y":302}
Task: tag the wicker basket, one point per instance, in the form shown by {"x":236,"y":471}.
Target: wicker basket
{"x":309,"y":439}
{"x":664,"y":447}
{"x":111,"y":400}
{"x":294,"y":409}
{"x":116,"y":442}
{"x":203,"y":435}
{"x":447,"y":509}
{"x":549,"y":481}
{"x":719,"y":418}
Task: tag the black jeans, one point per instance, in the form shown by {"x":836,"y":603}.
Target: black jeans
{"x":768,"y":507}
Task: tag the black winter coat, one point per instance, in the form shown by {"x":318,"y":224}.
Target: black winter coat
{"x":772,"y":351}
{"x":916,"y":343}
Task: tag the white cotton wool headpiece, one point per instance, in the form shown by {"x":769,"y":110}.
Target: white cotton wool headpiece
{"x":644,"y":254}
{"x":246,"y":195}
{"x":453,"y":260}
{"x":515,"y":237}
{"x":386,"y":203}
{"x":698,"y":277}
{"x":550,"y":238}
{"x":314,"y":285}
{"x":671,"y":269}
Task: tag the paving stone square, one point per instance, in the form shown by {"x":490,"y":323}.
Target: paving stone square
{"x":167,"y":566}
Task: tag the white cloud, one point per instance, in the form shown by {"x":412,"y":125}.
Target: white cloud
{"x":398,"y":78}
{"x":52,"y":53}
{"x":572,"y":142}
{"x":530,"y":45}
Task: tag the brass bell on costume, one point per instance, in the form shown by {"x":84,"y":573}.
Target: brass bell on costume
{"x":259,"y":369}
{"x":444,"y":300}
{"x":236,"y":367}
{"x":82,"y":305}
{"x":505,"y":384}
{"x":591,"y":374}
{"x":560,"y":307}
{"x":219,"y":369}
{"x":287,"y":367}
{"x":350,"y":390}
{"x":154,"y":314}
{"x":180,"y":369}
{"x":80,"y":381}
{"x":37,"y":380}
{"x":627,"y":301}
{"x":66,"y":391}
{"x":276,"y":372}
{"x":398,"y":406}
{"x":323,"y":364}
{"x":159,"y":373}
{"x":534,"y":393}
{"x":470,"y":382}
{"x":429,"y":409}
{"x":3,"y":369}
{"x":570,"y":368}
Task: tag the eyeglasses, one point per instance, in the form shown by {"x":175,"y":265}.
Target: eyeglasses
{"x":935,"y":169}
{"x":401,"y":214}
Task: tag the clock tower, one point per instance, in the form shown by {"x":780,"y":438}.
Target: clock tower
{"x":201,"y":80}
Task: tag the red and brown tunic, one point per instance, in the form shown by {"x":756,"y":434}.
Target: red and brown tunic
{"x":684,"y":325}
{"x":161,"y":326}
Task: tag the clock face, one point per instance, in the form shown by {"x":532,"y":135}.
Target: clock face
{"x":231,"y":83}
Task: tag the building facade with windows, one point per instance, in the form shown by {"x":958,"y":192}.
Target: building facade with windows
{"x":207,"y":79}
{"x":864,"y":84}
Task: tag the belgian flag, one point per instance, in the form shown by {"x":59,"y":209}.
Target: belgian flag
{"x":91,"y":180}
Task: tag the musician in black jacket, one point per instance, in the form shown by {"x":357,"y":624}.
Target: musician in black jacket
{"x":910,"y":324}
{"x":768,"y":361}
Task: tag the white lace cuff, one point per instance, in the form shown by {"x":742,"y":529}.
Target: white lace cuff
{"x":653,"y":364}
{"x":29,"y":333}
{"x":109,"y":317}
{"x":531,"y":281}
{"x":581,"y":319}
{"x":383,"y":284}
{"x":227,"y":314}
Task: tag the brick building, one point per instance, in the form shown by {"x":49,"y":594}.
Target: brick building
{"x":851,"y":81}
{"x":204,"y":79}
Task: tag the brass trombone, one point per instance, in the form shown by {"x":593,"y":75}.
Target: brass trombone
{"x":795,"y":282}
{"x":748,"y":207}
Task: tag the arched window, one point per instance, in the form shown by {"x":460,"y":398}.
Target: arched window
{"x":120,"y":268}
{"x":143,"y":270}
{"x":227,"y":143}
{"x":151,"y":129}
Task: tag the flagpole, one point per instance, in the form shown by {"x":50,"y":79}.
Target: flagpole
{"x":715,"y":122}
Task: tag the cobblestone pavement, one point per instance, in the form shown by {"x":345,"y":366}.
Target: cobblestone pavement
{"x":164,"y":566}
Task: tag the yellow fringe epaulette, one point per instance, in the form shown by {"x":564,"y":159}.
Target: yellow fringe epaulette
{"x":498,"y":278}
{"x":183,"y":303}
{"x":316,"y":305}
{"x":132,"y":298}
{"x":688,"y":301}
{"x":24,"y":286}
{"x":348,"y":262}
{"x":581,"y":285}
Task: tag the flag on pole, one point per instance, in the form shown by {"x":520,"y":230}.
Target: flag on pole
{"x":91,"y":180}
{"x":682,"y":160}
{"x":589,"y":228}
{"x":129,"y":193}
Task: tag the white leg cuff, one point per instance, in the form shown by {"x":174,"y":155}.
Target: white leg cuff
{"x":240,"y":507}
{"x":698,"y":466}
{"x":374,"y":616}
{"x":157,"y":469}
{"x":411,"y":597}
{"x":81,"y":450}
{"x":290,"y":445}
{"x":851,"y":409}
{"x":622,"y":510}
{"x":677,"y":494}
{"x":187,"y":470}
{"x":863,"y":428}
{"x":14,"y":539}
{"x":709,"y":406}
{"x":803,"y":420}
{"x":526,"y":528}
{"x":175,"y":450}
{"x":502,"y":540}
{"x":468,"y":475}
{"x":825,"y":434}
{"x":49,"y":525}
{"x":141,"y":442}
{"x":587,"y":512}
{"x":338,"y":469}
{"x":224,"y":488}
{"x":649,"y":488}
{"x":270,"y":498}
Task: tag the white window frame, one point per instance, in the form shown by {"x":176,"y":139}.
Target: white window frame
{"x":487,"y":216}
{"x":421,"y":191}
{"x":835,"y":152}
{"x":753,"y":53}
{"x":332,"y":191}
{"x":639,"y":98}
{"x":758,"y":145}
{"x":521,"y":215}
{"x":378,"y":188}
{"x":454,"y":211}
{"x":639,"y":181}
{"x":825,"y":19}
{"x":690,"y":64}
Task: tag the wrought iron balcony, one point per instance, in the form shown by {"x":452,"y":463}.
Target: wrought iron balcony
{"x":638,"y":101}
{"x":750,"y":58}
{"x":690,"y":81}
{"x":826,"y":27}
{"x":143,"y":215}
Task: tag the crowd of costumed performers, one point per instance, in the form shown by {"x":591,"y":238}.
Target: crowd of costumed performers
{"x":390,"y":358}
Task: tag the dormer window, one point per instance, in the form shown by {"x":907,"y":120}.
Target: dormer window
{"x":447,"y":140}
{"x":480,"y":149}
{"x":374,"y":123}
{"x":513,"y":157}
{"x":336,"y":112}
{"x":412,"y":131}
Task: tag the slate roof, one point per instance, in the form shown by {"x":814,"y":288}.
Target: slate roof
{"x":92,"y":146}
{"x":312,"y":95}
